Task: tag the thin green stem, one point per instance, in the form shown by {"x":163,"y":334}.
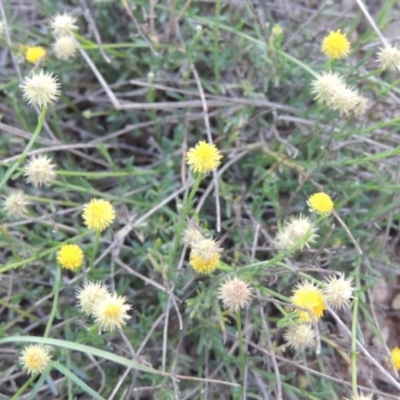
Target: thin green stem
{"x":23,"y":388}
{"x":242,"y":355}
{"x":56,"y":291}
{"x":94,"y":249}
{"x":22,"y":157}
{"x":182,"y":218}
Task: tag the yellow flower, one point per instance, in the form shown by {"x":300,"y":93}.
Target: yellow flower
{"x":70,"y":256}
{"x":91,"y":294}
{"x":204,"y":157}
{"x":98,"y":214}
{"x":309,"y":297}
{"x":205,"y":256}
{"x":35,"y":358}
{"x":320,"y":203}
{"x":336,"y":45}
{"x":395,"y":355}
{"x":34,"y":53}
{"x":110,"y":313}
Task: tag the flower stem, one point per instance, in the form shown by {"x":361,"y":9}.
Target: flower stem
{"x":23,"y":388}
{"x":354,"y":336}
{"x":55,"y":301}
{"x":94,"y":249}
{"x":22,"y":157}
{"x":242,"y":355}
{"x":182,"y":218}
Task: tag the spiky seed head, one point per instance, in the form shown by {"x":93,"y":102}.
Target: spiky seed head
{"x":40,"y":171}
{"x":360,"y":396}
{"x":338,"y":292}
{"x":63,"y":24}
{"x":234,"y":293}
{"x":65,"y":48}
{"x":192,"y":234}
{"x":300,"y":336}
{"x":389,"y":58}
{"x":90,"y":295}
{"x":41,"y":89}
{"x":15,"y":204}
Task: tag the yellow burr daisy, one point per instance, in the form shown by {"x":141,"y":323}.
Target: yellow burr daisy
{"x":204,"y":157}
{"x":336,"y":45}
{"x":320,"y":203}
{"x":98,"y":214}
{"x":309,"y":297}
{"x":70,"y":257}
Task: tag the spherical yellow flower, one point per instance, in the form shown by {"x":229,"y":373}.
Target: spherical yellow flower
{"x":395,"y":355}
{"x":309,"y":297}
{"x":40,"y":171}
{"x":41,"y":89}
{"x":204,"y":157}
{"x":235,"y":294}
{"x":15,"y":204}
{"x":70,"y":256}
{"x":91,"y":294}
{"x":98,"y":214}
{"x":300,"y":336}
{"x":111,"y":312}
{"x":34,"y":53}
{"x":320,"y":203}
{"x":205,"y":256}
{"x":336,"y":45}
{"x":35,"y":358}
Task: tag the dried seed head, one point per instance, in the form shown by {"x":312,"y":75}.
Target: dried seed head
{"x":15,"y":204}
{"x":40,"y":171}
{"x":338,"y":292}
{"x":35,"y":358}
{"x":63,"y":24}
{"x":90,"y":295}
{"x":235,"y":294}
{"x":41,"y":89}
{"x":300,"y":336}
{"x":389,"y":58}
{"x":65,"y":48}
{"x":205,"y":256}
{"x":192,"y":234}
{"x":300,"y":231}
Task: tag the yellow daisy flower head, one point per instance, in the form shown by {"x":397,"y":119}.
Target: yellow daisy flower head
{"x":40,"y":171}
{"x":41,"y":89}
{"x":204,"y":157}
{"x":111,"y":312}
{"x":308,"y":296}
{"x":98,"y":214}
{"x":205,"y":256}
{"x":90,"y":295}
{"x":35,"y":358}
{"x":336,"y":45}
{"x":339,"y":291}
{"x":70,"y":256}
{"x":234,"y":294}
{"x":395,"y":356}
{"x":300,"y":336}
{"x":15,"y":204}
{"x":320,"y":203}
{"x":33,"y":54}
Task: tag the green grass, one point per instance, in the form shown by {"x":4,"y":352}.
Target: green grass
{"x":120,"y":131}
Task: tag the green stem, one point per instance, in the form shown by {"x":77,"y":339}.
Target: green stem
{"x":22,"y":157}
{"x":94,"y":249}
{"x":182,"y":218}
{"x":23,"y":388}
{"x":56,"y":291}
{"x":242,"y":355}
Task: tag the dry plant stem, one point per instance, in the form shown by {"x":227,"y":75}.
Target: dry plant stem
{"x":56,"y":291}
{"x":209,"y":137}
{"x":94,"y":249}
{"x":365,"y":351}
{"x":354,"y":336}
{"x":22,"y":157}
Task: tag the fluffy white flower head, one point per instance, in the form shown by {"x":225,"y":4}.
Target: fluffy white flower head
{"x":40,"y":171}
{"x":63,"y":24}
